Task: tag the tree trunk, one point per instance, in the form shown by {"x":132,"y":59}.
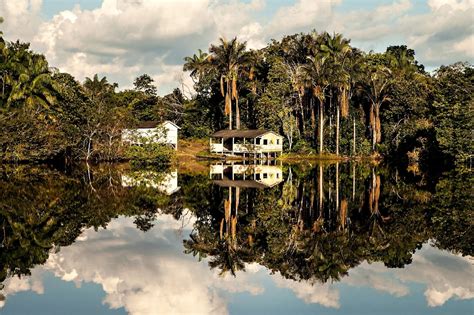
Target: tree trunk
{"x":372,"y":124}
{"x":378,"y":127}
{"x":353,"y":180}
{"x":313,"y":119}
{"x":320,"y":190}
{"x":337,"y":186}
{"x":321,"y":126}
{"x":300,"y":100}
{"x":230,"y":114}
{"x":354,"y":139}
{"x":237,"y":114}
{"x":337,"y":130}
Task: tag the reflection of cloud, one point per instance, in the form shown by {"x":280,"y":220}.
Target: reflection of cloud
{"x":325,"y":294}
{"x":15,"y":285}
{"x":146,"y":273}
{"x":445,"y":275}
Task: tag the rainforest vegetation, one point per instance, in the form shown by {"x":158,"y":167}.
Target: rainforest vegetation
{"x":324,"y":95}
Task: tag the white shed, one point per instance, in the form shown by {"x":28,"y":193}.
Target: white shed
{"x":152,"y":131}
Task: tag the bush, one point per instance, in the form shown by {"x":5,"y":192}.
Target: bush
{"x":149,"y":154}
{"x":302,"y":146}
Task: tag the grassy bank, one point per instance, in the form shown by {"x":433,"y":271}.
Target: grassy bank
{"x":198,"y":149}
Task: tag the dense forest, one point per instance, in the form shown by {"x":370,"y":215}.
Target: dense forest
{"x":322,"y":94}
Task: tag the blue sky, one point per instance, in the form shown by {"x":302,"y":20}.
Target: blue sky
{"x":122,"y":39}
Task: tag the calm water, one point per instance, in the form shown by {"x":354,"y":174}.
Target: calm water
{"x":238,"y":239}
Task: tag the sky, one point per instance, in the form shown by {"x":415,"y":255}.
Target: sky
{"x":122,"y":39}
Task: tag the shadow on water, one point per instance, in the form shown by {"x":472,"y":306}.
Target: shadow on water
{"x":307,"y":222}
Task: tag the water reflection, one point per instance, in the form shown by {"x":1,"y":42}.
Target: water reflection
{"x":165,"y":182}
{"x":246,"y":176}
{"x":317,"y":230}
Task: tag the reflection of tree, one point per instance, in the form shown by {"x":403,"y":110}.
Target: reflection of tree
{"x":453,"y":213}
{"x":314,"y":226}
{"x":43,"y":209}
{"x":385,"y":220}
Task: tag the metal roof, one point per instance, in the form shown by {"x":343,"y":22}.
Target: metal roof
{"x":147,"y":124}
{"x":248,"y":133}
{"x":154,"y":124}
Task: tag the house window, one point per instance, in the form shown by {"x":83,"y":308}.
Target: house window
{"x":257,"y":176}
{"x":265,"y":175}
{"x":257,"y":141}
{"x":265,"y":141}
{"x":278,"y":175}
{"x":278,"y":141}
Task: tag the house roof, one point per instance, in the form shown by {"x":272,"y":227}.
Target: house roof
{"x":147,"y":124}
{"x":248,"y":133}
{"x":154,"y":124}
{"x":172,"y":123}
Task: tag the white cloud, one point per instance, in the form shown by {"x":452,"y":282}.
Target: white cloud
{"x":304,"y":15}
{"x":123,"y":38}
{"x":451,"y":4}
{"x":22,"y":18}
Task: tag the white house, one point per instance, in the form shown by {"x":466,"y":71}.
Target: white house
{"x":258,"y":143}
{"x":152,"y":131}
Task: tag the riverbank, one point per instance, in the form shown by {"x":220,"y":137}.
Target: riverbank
{"x":198,"y":150}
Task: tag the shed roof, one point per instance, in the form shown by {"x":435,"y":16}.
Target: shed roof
{"x":148,"y":124}
{"x":154,"y":124}
{"x":248,"y":133}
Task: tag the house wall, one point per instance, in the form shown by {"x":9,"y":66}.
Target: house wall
{"x":171,"y":132}
{"x":166,"y":133}
{"x":272,"y":145}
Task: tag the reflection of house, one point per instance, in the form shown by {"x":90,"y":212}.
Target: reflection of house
{"x":246,"y":176}
{"x":165,"y":183}
{"x":166,"y":132}
{"x":258,"y":143}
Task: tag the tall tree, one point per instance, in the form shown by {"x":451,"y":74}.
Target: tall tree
{"x":197,"y":64}
{"x":228,"y":58}
{"x":337,"y":49}
{"x":316,"y":76}
{"x":144,"y":83}
{"x":375,"y":87}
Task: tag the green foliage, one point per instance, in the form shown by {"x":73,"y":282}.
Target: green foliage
{"x":454,"y":111}
{"x":150,"y":153}
{"x":309,"y":87}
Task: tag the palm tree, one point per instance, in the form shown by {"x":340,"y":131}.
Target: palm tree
{"x":228,"y":58}
{"x":30,"y":82}
{"x":336,"y":49}
{"x":197,"y":64}
{"x":376,"y":85}
{"x":96,"y":88}
{"x":316,"y":77}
